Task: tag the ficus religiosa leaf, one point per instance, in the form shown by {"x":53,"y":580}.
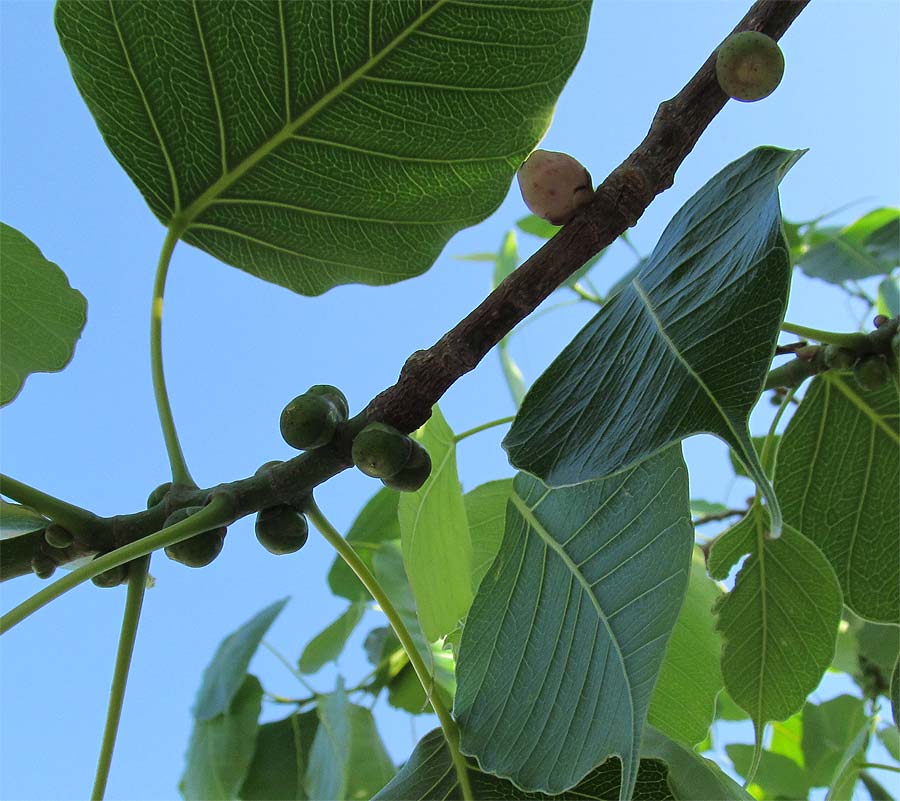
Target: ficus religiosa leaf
{"x":683,"y":704}
{"x":327,"y":645}
{"x":434,"y":533}
{"x":317,"y":144}
{"x":222,"y":746}
{"x":838,"y":475}
{"x":42,"y":314}
{"x":785,"y":590}
{"x":225,"y":673}
{"x":683,"y":349}
{"x":279,"y":760}
{"x":579,"y":604}
{"x":486,"y":513}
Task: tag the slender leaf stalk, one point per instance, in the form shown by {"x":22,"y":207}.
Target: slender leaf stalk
{"x":831,"y":337}
{"x":180,"y":472}
{"x":137,"y":583}
{"x":879,"y":766}
{"x":212,"y":516}
{"x":582,"y":293}
{"x":448,"y":725}
{"x":484,"y":427}
{"x":71,"y":517}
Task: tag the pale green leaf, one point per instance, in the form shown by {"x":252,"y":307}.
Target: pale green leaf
{"x":847,"y":772}
{"x":16,"y":520}
{"x":838,"y":473}
{"x":579,"y":604}
{"x":890,"y":739}
{"x":315,"y":144}
{"x":778,"y":775}
{"x":658,"y":361}
{"x":327,"y":645}
{"x":279,"y":759}
{"x":684,"y":698}
{"x":225,"y":673}
{"x":699,"y":507}
{"x":42,"y":315}
{"x":434,"y":533}
{"x":486,"y":513}
{"x":787,"y":737}
{"x":888,"y":301}
{"x":779,"y":622}
{"x":222,"y":746}
{"x":829,"y":729}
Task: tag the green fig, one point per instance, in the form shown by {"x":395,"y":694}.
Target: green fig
{"x":309,"y":421}
{"x":281,"y":529}
{"x":381,"y":451}
{"x":749,"y":66}
{"x":554,"y":185}
{"x":43,"y":566}
{"x":871,"y":372}
{"x":415,"y":474}
{"x":337,"y":398}
{"x":198,"y":551}
{"x":839,"y":358}
{"x":111,"y":578}
{"x":58,"y":537}
{"x":158,"y":494}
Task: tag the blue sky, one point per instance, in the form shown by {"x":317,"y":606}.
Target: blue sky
{"x":238,"y":349}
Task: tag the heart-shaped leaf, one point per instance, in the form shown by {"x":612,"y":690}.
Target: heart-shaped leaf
{"x":569,"y":627}
{"x":838,"y":472}
{"x":42,"y":315}
{"x":315,"y":144}
{"x":684,"y":348}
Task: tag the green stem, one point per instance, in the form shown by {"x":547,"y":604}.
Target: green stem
{"x":71,"y":517}
{"x":582,"y":293}
{"x":212,"y":516}
{"x":879,"y":766}
{"x":137,"y":582}
{"x":853,"y":341}
{"x":483,"y":427}
{"x":290,"y":668}
{"x":180,"y":472}
{"x":448,"y":725}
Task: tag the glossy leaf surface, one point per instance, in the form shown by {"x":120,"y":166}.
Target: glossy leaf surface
{"x":316,"y":144}
{"x":838,"y":474}
{"x":579,"y":604}
{"x":42,"y":315}
{"x":684,"y":348}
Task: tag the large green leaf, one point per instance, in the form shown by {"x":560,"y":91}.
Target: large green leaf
{"x":279,"y":759}
{"x":579,"y":604}
{"x":683,"y":349}
{"x":778,"y":776}
{"x":42,"y":315}
{"x":838,"y":473}
{"x":684,"y":699}
{"x":327,"y":645}
{"x":434,"y":532}
{"x":316,"y":144}
{"x":829,"y":729}
{"x":779,"y":622}
{"x":222,"y":746}
{"x":486,"y":512}
{"x":376,"y":523}
{"x":225,"y":673}
{"x":16,"y":520}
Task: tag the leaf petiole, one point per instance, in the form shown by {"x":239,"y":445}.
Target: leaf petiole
{"x":852,"y":340}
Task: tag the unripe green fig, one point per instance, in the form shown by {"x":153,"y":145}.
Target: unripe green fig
{"x":334,"y":395}
{"x":309,"y":421}
{"x":749,"y":66}
{"x":871,"y":372}
{"x":43,"y":566}
{"x":58,"y":537}
{"x":281,"y":529}
{"x":111,"y":578}
{"x":554,"y":185}
{"x":158,"y":494}
{"x":839,"y":358}
{"x":381,"y":451}
{"x":415,"y":474}
{"x":198,"y":551}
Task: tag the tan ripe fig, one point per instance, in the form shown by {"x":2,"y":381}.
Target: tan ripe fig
{"x":554,"y":185}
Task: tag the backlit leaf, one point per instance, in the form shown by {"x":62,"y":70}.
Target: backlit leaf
{"x":778,"y":776}
{"x":486,"y":512}
{"x":828,"y":731}
{"x":327,"y":645}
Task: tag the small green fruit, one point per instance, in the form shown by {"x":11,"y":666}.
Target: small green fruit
{"x":381,"y":451}
{"x":749,"y":66}
{"x":839,"y":358}
{"x":111,"y":578}
{"x":158,"y":494}
{"x":197,"y":551}
{"x":415,"y":474}
{"x":872,"y":372}
{"x":554,"y":185}
{"x":334,"y":395}
{"x":58,"y":537}
{"x":281,"y":530}
{"x":43,"y":566}
{"x":309,"y":421}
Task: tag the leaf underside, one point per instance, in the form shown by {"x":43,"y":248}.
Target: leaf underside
{"x":317,"y":144}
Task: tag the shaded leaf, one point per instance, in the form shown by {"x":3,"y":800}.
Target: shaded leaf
{"x":406,"y":691}
{"x":316,"y":144}
{"x":279,"y":759}
{"x":888,"y":301}
{"x":700,"y":507}
{"x":727,"y":709}
{"x":16,"y":520}
{"x":890,"y":739}
{"x":684,"y":698}
{"x":327,"y":645}
{"x":895,"y":694}
{"x":785,"y":596}
{"x":658,"y":362}
{"x":376,"y":523}
{"x":874,"y":788}
{"x":829,"y":729}
{"x":758,"y":445}
{"x":222,"y":746}
{"x":838,"y":473}
{"x":42,"y":315}
{"x":434,"y":533}
{"x":847,"y":773}
{"x":225,"y":673}
{"x":486,"y":513}
{"x":778,"y":776}
{"x":578,"y":604}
